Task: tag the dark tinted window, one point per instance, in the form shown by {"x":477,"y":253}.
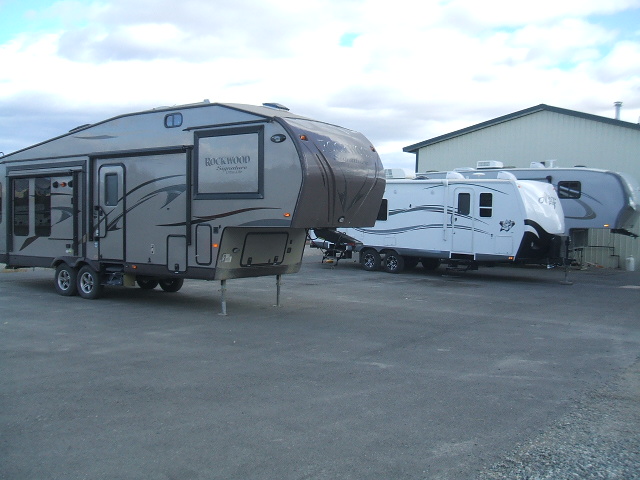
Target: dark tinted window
{"x":43,"y":206}
{"x":486,"y":204}
{"x":21,"y":207}
{"x":464,"y":203}
{"x":111,"y":189}
{"x":569,"y":189}
{"x":384,"y":210}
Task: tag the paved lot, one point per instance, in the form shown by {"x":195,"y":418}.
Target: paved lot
{"x":499,"y":373}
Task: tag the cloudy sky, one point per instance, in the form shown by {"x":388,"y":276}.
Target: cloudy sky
{"x":399,"y":71}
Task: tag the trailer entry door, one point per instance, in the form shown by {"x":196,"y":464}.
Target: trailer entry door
{"x":109,"y":212}
{"x":463,"y":221}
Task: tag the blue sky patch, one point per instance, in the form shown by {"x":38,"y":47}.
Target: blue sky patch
{"x":347,"y":39}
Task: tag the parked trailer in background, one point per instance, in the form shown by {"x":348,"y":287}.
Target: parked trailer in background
{"x":205,"y":191}
{"x":463,"y":223}
{"x":590,"y":197}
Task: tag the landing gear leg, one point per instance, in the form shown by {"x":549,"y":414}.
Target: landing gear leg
{"x":223,"y":294}
{"x":278,"y":284}
{"x":566,"y":280}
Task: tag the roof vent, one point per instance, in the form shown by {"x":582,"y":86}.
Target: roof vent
{"x":489,"y":164}
{"x":454,"y":175}
{"x":506,"y":176}
{"x":277,"y":106}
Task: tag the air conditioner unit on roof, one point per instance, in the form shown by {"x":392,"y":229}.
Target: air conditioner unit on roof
{"x":489,"y":164}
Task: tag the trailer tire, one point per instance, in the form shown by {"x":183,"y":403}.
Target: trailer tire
{"x":147,"y":283}
{"x":370,"y":260}
{"x":171,"y":284}
{"x":393,"y":263}
{"x":89,"y":286}
{"x":66,"y":280}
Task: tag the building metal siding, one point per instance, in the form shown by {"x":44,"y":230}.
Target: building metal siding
{"x":548,"y":133}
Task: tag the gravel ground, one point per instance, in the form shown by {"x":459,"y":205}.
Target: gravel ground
{"x":598,"y":439}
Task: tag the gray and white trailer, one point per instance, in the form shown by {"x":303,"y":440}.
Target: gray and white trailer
{"x":590,"y":197}
{"x":206,"y":191}
{"x":461,"y":222}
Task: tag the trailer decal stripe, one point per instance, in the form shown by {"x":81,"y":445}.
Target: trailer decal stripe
{"x":214,"y":217}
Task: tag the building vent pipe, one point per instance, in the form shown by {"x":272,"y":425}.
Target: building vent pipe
{"x":618,"y":105}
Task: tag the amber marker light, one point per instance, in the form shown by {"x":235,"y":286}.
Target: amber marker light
{"x":214,"y":245}
{"x":134,"y":266}
{"x":304,"y":137}
{"x":606,"y":225}
{"x":287,"y":214}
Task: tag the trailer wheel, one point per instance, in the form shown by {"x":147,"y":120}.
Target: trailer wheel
{"x":89,"y":283}
{"x":66,"y":280}
{"x":147,"y":283}
{"x":393,"y":263}
{"x":370,"y":259}
{"x":430,"y":263}
{"x":171,"y":284}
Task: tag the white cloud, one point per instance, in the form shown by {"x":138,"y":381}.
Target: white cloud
{"x":414,"y":70}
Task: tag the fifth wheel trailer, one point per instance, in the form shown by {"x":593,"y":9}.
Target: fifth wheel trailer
{"x":206,"y":191}
{"x":461,"y":222}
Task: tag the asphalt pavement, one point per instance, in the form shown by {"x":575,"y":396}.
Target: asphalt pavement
{"x":501,"y":373}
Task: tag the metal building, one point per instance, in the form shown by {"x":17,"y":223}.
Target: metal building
{"x":552,"y":135}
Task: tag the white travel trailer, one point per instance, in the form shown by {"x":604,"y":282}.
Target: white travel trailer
{"x":461,"y":222}
{"x":590,"y":197}
{"x":207,"y":191}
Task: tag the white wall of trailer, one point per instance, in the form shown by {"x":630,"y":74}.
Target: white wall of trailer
{"x":540,"y":135}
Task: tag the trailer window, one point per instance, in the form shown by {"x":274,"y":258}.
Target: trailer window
{"x":173,"y":120}
{"x":383,"y":213}
{"x":569,"y":189}
{"x":111,"y":189}
{"x":229,"y":163}
{"x":21,"y":207}
{"x":464,"y":203}
{"x":486,"y":204}
{"x":43,"y":206}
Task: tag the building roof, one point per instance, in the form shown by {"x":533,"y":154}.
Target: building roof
{"x":527,"y":111}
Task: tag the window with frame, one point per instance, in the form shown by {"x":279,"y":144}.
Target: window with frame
{"x":486,"y":204}
{"x":464,"y":203}
{"x":42,"y":214}
{"x":569,"y":189}
{"x":173,"y":120}
{"x":229,"y":163}
{"x":383,"y":212}
{"x":21,"y":207}
{"x":111,"y":189}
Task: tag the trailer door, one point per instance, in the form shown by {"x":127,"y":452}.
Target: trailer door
{"x":109,"y":212}
{"x":462,"y":221}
